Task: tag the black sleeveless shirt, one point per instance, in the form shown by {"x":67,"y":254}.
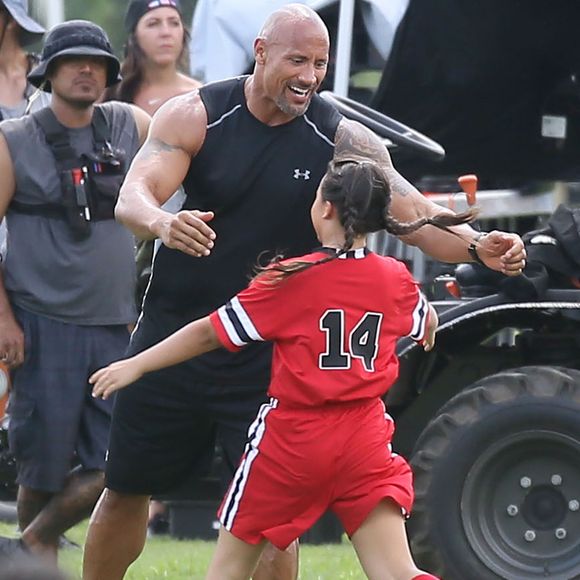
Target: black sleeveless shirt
{"x":260,"y":181}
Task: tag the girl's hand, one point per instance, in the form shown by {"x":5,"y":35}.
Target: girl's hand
{"x":429,"y":340}
{"x":114,"y":377}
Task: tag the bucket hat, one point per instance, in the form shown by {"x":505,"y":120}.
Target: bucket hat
{"x":137,"y":8}
{"x":75,"y":38}
{"x":31,"y":30}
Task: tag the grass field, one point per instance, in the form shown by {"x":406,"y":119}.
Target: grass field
{"x":180,"y":560}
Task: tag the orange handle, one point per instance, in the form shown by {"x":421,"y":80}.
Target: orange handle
{"x":453,"y":288}
{"x":468,"y":184}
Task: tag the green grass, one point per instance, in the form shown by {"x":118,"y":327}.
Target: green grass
{"x":182,"y":559}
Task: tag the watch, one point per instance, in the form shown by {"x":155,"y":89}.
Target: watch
{"x":472,"y":249}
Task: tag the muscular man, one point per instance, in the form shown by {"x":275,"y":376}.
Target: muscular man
{"x":250,"y":152}
{"x":66,"y":288}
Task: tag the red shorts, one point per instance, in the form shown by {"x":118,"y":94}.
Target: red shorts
{"x":301,"y":462}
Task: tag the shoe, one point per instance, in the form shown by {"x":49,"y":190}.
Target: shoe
{"x":10,"y":547}
{"x":64,"y":543}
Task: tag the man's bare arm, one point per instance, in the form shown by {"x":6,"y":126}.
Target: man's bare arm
{"x":407,"y":203}
{"x":501,"y":251}
{"x":11,"y":336}
{"x":142,"y":120}
{"x":158,"y":170}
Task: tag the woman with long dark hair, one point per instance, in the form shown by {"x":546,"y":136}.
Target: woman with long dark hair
{"x":155,"y":55}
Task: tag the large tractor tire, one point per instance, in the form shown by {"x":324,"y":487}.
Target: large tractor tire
{"x":497,"y":480}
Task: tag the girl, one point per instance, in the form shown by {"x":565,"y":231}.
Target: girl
{"x":323,"y":440}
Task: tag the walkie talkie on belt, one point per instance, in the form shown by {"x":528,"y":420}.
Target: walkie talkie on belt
{"x":76,"y":202}
{"x":79,"y":177}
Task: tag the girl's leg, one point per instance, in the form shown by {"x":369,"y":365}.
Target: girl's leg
{"x":233,"y":558}
{"x":382,"y":547}
{"x":275,"y":564}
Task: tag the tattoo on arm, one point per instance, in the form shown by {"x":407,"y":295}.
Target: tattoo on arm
{"x":154,"y":146}
{"x":399,"y":185}
{"x":352,"y":138}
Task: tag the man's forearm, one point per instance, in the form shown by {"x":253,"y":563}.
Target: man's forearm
{"x":408,"y":204}
{"x":5,"y":308}
{"x":444,"y":246}
{"x":139,"y":213}
{"x":11,"y":336}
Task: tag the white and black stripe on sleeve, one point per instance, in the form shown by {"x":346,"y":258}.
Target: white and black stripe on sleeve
{"x":237,"y":324}
{"x":419,"y":316}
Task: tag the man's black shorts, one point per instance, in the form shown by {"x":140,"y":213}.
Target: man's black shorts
{"x":165,"y":426}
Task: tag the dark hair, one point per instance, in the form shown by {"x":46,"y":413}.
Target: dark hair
{"x":360,"y":191}
{"x":133,"y":66}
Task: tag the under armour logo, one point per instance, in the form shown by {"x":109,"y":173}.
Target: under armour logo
{"x":304,"y":174}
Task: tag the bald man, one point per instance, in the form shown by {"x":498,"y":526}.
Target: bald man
{"x":250,"y":152}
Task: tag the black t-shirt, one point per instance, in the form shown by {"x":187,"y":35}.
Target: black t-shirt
{"x":260,"y":181}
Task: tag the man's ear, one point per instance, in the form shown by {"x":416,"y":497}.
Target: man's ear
{"x":259,"y":51}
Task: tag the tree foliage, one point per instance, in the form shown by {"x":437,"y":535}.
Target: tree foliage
{"x":109,"y":14}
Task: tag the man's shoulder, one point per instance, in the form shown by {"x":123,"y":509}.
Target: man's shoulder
{"x":221,"y":97}
{"x":181,"y":111}
{"x":111,"y":108}
{"x":224,"y":85}
{"x":17,"y":125}
{"x":118,"y":115}
{"x":323,"y":105}
{"x":324,"y":117}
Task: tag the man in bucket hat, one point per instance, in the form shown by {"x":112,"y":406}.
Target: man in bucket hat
{"x":76,"y":38}
{"x":67,"y":287}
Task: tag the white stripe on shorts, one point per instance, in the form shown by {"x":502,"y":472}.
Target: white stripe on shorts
{"x":236,"y":490}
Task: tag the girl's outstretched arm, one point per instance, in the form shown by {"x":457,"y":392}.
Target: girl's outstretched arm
{"x":192,"y":340}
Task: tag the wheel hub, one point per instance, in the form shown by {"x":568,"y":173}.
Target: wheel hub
{"x":519,"y":506}
{"x":544,"y":508}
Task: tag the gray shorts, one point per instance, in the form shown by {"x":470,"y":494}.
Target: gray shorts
{"x":55,"y":424}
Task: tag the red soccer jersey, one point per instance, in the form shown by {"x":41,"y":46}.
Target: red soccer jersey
{"x":334,"y":326}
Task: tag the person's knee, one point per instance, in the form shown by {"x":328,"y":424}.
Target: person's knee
{"x":35,"y":495}
{"x":29,"y":504}
{"x":278,"y":564}
{"x":114,"y":504}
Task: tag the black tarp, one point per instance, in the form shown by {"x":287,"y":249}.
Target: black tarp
{"x":478,"y":76}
